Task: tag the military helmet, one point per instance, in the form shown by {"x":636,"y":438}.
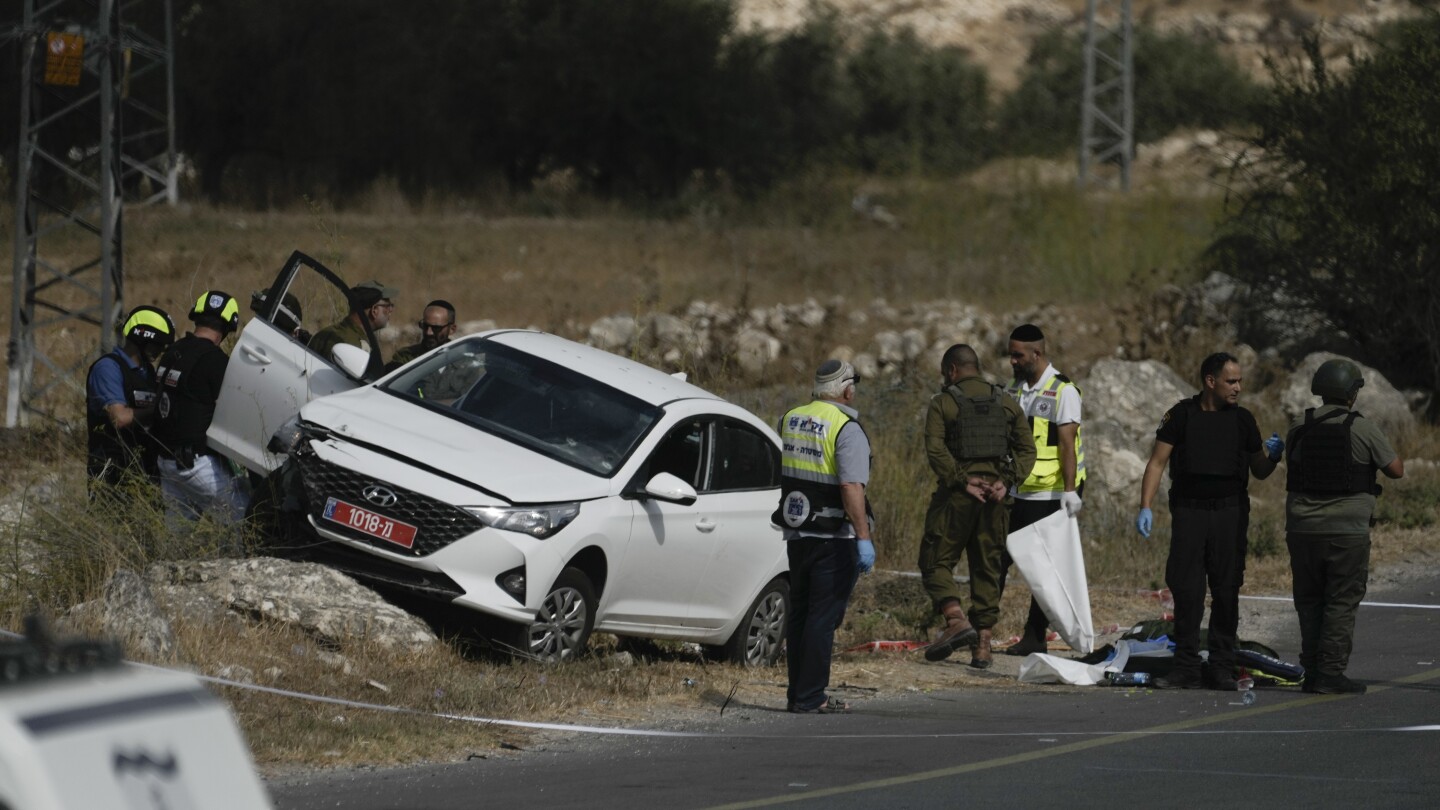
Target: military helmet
{"x":1337,"y":379}
{"x":219,"y":305}
{"x":149,"y":326}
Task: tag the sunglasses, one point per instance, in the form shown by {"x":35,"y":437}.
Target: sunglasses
{"x":435,"y":327}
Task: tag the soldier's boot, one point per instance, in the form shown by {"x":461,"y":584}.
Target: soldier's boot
{"x":958,"y":633}
{"x":980,"y":656}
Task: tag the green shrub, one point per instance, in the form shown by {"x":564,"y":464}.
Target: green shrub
{"x":1345,"y":216}
{"x":917,"y":107}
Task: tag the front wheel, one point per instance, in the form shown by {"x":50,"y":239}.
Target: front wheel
{"x":562,"y":626}
{"x":758,"y":640}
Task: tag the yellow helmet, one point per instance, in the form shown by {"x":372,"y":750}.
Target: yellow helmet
{"x":149,"y":326}
{"x":219,"y":305}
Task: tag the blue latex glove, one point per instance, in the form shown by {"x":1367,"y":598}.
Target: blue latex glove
{"x":867,"y":555}
{"x":1274,"y":446}
{"x":1144,"y":522}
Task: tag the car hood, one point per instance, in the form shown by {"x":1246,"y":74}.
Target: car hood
{"x":386,"y":422}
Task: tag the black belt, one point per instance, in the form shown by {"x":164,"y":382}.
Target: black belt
{"x":1208,"y":503}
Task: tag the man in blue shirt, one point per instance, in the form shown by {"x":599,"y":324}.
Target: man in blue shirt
{"x":120,"y":400}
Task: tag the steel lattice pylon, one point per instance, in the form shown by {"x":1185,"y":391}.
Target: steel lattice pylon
{"x":96,"y":100}
{"x":1107,"y":112}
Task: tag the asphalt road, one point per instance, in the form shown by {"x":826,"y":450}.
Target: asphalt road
{"x":1090,"y":747}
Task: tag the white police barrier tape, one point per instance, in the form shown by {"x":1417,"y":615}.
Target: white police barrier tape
{"x":1362,"y":604}
{"x":632,"y":732}
{"x":488,"y":721}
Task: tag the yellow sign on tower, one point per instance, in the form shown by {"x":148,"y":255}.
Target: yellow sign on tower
{"x":64,"y":55}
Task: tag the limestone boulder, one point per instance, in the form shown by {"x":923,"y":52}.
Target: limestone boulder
{"x":322,"y":602}
{"x":1123,"y":403}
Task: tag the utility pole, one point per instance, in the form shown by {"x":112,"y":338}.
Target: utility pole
{"x":96,"y":124}
{"x":1107,"y":111}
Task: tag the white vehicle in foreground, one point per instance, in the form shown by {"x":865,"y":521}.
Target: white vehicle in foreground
{"x":81,"y":729}
{"x":551,"y":485}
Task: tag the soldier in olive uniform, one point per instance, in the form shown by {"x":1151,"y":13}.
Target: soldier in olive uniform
{"x":1334,"y":454}
{"x":979,"y":445}
{"x":437,"y":326}
{"x":369,"y":300}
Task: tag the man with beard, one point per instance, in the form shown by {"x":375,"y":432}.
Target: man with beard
{"x":437,"y":326}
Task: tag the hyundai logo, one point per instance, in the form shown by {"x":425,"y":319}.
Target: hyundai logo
{"x":380,"y":496}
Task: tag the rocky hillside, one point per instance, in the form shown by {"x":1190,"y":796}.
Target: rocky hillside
{"x":999,"y":32}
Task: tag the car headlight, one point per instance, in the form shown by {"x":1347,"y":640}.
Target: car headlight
{"x":536,"y":521}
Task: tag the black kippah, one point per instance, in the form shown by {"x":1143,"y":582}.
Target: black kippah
{"x":1027,"y":333}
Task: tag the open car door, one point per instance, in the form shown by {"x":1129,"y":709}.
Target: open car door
{"x":272,"y":371}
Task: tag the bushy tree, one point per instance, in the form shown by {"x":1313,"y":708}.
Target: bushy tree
{"x":1346,"y":217}
{"x":917,"y":107}
{"x":1179,"y":82}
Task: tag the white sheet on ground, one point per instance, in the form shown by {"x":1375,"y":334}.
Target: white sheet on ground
{"x":1048,"y":555}
{"x":1042,"y":668}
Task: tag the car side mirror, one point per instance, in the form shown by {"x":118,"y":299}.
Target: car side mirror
{"x":352,"y":360}
{"x":667,"y":487}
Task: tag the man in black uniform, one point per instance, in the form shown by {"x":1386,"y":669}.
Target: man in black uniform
{"x":1334,"y":455}
{"x":120,"y":399}
{"x":1216,"y":445}
{"x":193,"y":478}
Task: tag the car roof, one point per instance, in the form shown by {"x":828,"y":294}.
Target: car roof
{"x":648,"y":384}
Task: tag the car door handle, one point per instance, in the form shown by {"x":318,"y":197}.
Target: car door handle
{"x":706,"y":525}
{"x":256,"y":354}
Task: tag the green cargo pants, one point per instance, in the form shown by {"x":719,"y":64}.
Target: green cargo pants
{"x":1330,"y":575}
{"x":956,"y":524}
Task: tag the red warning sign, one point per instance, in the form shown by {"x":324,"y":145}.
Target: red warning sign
{"x":64,"y":57}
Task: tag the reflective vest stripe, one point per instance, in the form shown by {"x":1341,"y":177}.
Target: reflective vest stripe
{"x":1046,"y":475}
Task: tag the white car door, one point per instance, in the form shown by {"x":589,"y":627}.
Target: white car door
{"x":670,"y":543}
{"x":271,"y":371}
{"x":743,"y":490}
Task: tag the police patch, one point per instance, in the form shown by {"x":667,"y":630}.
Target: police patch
{"x":796,"y":510}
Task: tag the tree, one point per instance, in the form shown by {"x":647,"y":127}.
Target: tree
{"x":1346,"y":214}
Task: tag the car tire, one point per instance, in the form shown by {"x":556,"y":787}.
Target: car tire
{"x":561,"y":628}
{"x":760,"y":638}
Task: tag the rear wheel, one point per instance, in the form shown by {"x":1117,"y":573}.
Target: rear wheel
{"x":562,"y":626}
{"x":761,"y":635}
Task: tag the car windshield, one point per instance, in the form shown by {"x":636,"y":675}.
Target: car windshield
{"x":530,"y":401}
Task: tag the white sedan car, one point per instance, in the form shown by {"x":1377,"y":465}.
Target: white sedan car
{"x":551,"y":485}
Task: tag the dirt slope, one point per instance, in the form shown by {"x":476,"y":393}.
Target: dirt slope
{"x":999,"y":32}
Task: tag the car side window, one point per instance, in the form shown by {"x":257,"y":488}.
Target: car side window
{"x":682,"y":454}
{"x":744,"y":459}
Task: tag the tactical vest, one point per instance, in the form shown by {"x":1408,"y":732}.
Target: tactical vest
{"x":125,"y":448}
{"x":1212,"y":445}
{"x":184,"y":413}
{"x":1328,"y":465}
{"x":809,"y":471}
{"x":981,"y":428}
{"x":1040,"y":413}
